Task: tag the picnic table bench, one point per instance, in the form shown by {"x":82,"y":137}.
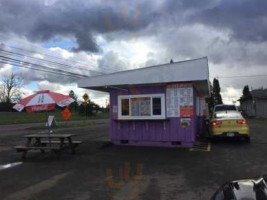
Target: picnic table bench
{"x":48,"y":142}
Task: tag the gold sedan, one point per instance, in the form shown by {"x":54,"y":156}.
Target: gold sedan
{"x":229,"y":124}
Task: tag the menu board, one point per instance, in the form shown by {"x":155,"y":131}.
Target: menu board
{"x":140,"y":106}
{"x":145,"y":107}
{"x":200,"y":106}
{"x":134,"y":107}
{"x":172,"y":102}
{"x":179,"y":100}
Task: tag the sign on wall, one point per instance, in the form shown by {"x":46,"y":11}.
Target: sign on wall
{"x":185,"y":122}
{"x":140,"y":106}
{"x":115,"y":109}
{"x":179,"y":100}
{"x":200,"y":106}
{"x":202,"y":103}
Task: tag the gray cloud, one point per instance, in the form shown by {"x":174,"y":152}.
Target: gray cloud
{"x":111,"y":62}
{"x":232,"y":33}
{"x":244,"y":18}
{"x":82,"y":19}
{"x":39,"y":21}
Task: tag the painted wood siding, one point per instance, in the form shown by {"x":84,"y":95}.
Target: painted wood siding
{"x":149,"y":131}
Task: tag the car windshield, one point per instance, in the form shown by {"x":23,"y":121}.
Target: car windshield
{"x":225,"y":107}
{"x":231,"y":115}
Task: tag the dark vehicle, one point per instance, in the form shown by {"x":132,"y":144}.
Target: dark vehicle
{"x":249,"y":189}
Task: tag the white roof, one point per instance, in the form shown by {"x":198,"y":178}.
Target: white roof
{"x":195,"y":70}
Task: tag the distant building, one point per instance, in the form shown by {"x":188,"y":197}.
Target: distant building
{"x":256,"y":106}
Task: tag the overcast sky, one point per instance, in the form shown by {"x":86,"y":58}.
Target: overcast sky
{"x":112,"y":35}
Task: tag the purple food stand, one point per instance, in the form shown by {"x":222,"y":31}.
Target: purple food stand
{"x":161,"y":105}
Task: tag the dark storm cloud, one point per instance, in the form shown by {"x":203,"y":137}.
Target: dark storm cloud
{"x":246,"y":19}
{"x":81,"y":19}
{"x":232,"y":33}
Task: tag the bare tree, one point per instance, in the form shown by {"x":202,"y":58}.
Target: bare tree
{"x":10,"y":88}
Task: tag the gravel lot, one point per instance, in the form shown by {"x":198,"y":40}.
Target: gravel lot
{"x":102,"y":171}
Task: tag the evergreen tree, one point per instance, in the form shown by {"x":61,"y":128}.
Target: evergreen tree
{"x":246,"y":93}
{"x":210,"y":100}
{"x":217,"y":92}
{"x":74,"y":105}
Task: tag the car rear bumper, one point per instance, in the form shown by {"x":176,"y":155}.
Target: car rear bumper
{"x":231,"y":135}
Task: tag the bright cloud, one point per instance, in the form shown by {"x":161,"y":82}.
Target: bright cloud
{"x":62,"y":52}
{"x":102,"y":37}
{"x":5,"y":70}
{"x":25,"y":92}
{"x":231,"y":95}
{"x":135,"y":51}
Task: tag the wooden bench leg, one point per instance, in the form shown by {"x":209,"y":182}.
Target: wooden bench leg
{"x":72,"y":146}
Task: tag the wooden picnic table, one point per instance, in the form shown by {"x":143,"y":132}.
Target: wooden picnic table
{"x":51,"y":142}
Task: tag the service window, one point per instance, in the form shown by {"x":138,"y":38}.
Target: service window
{"x":141,"y":106}
{"x":156,"y":106}
{"x":125,"y":107}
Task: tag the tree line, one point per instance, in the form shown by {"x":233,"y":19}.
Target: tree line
{"x":215,"y":95}
{"x":11,"y":93}
{"x":86,"y":107}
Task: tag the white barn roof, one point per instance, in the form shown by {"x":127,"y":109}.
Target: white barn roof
{"x":195,"y":70}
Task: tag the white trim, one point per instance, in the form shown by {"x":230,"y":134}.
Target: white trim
{"x":190,"y":70}
{"x":119,"y":106}
{"x":129,"y":117}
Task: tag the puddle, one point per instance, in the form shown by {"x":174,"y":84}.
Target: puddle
{"x":10,"y":165}
{"x":129,"y":183}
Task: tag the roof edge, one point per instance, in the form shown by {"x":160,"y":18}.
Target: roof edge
{"x":205,"y":57}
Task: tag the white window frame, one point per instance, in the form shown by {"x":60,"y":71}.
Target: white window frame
{"x":129,"y":117}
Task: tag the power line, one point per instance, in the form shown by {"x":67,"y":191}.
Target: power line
{"x":243,"y":76}
{"x":66,"y":65}
{"x":24,"y":66}
{"x":19,"y":63}
{"x":48,"y":68}
{"x":42,"y":70}
{"x":45,"y":54}
{"x":42,"y":60}
{"x":58,"y":58}
{"x":33,"y":47}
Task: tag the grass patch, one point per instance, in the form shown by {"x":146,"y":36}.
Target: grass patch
{"x":24,"y":117}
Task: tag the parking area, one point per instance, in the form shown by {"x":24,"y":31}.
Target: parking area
{"x":102,"y":171}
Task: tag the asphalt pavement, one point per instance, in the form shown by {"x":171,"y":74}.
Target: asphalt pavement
{"x":100,"y":170}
